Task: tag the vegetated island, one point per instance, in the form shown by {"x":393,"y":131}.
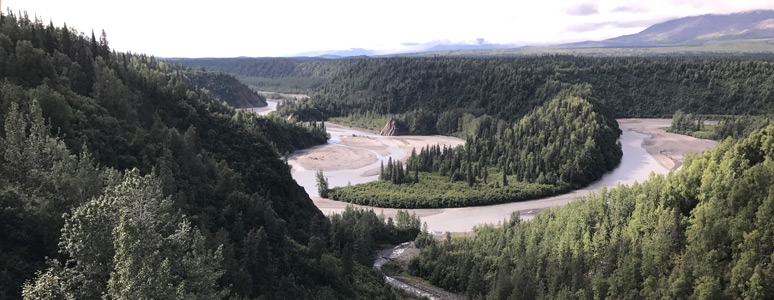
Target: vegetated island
{"x":564,"y":144}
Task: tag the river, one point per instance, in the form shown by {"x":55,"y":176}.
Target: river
{"x":636,"y":165}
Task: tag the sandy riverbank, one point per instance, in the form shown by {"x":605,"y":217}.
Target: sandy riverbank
{"x":355,"y":151}
{"x":669,"y":149}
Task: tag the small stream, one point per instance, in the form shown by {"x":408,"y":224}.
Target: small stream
{"x":387,"y":254}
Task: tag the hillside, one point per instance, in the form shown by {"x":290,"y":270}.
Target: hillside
{"x":432,"y":95}
{"x":704,"y":232}
{"x":226,"y":88}
{"x":120,"y":179}
{"x":291,"y":75}
{"x":698,"y":30}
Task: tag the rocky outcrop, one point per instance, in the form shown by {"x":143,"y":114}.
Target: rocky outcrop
{"x":390,"y":129}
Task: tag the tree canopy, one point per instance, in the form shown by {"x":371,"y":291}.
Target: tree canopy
{"x":121,"y":179}
{"x":703,"y":232}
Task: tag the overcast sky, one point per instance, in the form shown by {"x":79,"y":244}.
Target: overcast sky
{"x":228,"y":28}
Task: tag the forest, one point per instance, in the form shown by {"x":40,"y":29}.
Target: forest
{"x":226,"y":87}
{"x":280,"y":74}
{"x":433,"y":93}
{"x":734,"y":126}
{"x":703,"y":232}
{"x":564,"y":144}
{"x":121,"y":179}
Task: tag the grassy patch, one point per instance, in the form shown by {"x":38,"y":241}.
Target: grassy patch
{"x":434,"y":191}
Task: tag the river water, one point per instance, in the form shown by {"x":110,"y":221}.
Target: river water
{"x":636,"y":165}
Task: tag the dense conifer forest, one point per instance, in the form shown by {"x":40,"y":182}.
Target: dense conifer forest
{"x":565,"y":143}
{"x":227,"y":88}
{"x":281,"y":74}
{"x":119,"y":179}
{"x":432,"y":91}
{"x":704,"y":232}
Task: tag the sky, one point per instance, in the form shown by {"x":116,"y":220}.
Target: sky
{"x":230,"y":28}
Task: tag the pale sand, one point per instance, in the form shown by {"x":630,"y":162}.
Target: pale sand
{"x":669,"y":149}
{"x":410,"y":142}
{"x":334,"y":158}
{"x":365,"y":142}
{"x":359,"y":151}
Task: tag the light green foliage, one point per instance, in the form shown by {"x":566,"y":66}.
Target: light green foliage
{"x":435,"y":190}
{"x":129,"y":243}
{"x":695,"y":234}
{"x":39,"y":181}
{"x":735,"y":126}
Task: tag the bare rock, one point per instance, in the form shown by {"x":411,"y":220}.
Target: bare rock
{"x":390,"y":129}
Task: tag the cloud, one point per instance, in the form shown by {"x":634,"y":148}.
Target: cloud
{"x":584,"y":9}
{"x":629,"y":9}
{"x":583,"y":27}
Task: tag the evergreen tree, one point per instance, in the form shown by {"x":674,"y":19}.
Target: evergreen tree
{"x":322,"y":184}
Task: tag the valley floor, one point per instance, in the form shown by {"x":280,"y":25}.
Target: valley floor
{"x":647,"y":148}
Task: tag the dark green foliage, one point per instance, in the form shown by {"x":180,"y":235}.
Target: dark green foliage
{"x":290,"y":75}
{"x":226,"y":88}
{"x":174,"y":194}
{"x":395,"y":172}
{"x":704,"y":232}
{"x":444,"y":89}
{"x":359,"y":232}
{"x":322,"y":184}
{"x":280,"y":67}
{"x":565,"y":143}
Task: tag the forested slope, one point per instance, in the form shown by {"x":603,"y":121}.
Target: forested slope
{"x":137,"y":185}
{"x":704,"y":232}
{"x":433,"y":90}
{"x":281,"y":74}
{"x":279,"y":67}
{"x":226,"y":88}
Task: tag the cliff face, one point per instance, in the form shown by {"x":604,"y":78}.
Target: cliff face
{"x":390,"y":129}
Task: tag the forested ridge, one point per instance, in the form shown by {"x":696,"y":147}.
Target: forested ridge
{"x":119,"y":179}
{"x":703,"y":232}
{"x":275,"y":67}
{"x":566,"y":143}
{"x":227,"y":88}
{"x":430,"y":91}
{"x":280,"y":74}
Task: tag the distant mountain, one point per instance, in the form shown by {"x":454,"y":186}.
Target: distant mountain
{"x":694,"y":31}
{"x":338,"y":53}
{"x":433,"y":46}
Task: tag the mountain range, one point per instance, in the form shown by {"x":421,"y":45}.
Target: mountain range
{"x":694,"y":31}
{"x":750,"y":31}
